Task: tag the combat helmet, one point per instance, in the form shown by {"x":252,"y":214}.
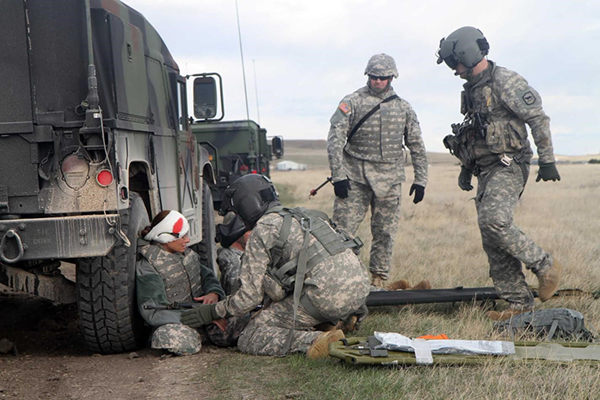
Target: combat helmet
{"x":177,"y":338}
{"x":466,"y":45}
{"x":381,"y":65}
{"x":249,"y":197}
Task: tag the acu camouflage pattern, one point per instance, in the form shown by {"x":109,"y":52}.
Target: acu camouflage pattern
{"x":508,"y":102}
{"x":374,"y":161}
{"x":176,"y":338}
{"x":230,"y":265}
{"x":381,"y":65}
{"x":337,"y":287}
{"x":164,"y":278}
{"x":506,"y":246}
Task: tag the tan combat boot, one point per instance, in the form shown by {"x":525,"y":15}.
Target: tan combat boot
{"x":376,"y":281}
{"x":320,"y":347}
{"x":402,"y":284}
{"x":504,"y":315}
{"x":423,"y":285}
{"x":549,"y":280}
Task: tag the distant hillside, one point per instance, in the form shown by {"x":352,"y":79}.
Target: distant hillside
{"x":313,"y":153}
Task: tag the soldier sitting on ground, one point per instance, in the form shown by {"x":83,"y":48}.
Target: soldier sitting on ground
{"x":307,"y":270}
{"x":167,"y":273}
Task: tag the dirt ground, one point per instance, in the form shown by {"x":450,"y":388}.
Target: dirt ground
{"x":52,"y":362}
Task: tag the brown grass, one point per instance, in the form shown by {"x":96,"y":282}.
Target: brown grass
{"x":438,"y":240}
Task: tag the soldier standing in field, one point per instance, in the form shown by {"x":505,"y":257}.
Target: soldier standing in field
{"x":366,"y":155}
{"x":492,"y":144}
{"x":306,"y":270}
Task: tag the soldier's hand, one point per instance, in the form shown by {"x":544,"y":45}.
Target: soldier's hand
{"x":547,"y":172}
{"x":211,"y":298}
{"x":200,"y":315}
{"x":464,"y":179}
{"x":341,"y":188}
{"x":419,"y":192}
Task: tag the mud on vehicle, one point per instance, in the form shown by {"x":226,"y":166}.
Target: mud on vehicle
{"x":94,"y":141}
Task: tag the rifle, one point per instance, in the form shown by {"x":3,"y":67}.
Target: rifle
{"x":173,"y":306}
{"x":313,"y":192}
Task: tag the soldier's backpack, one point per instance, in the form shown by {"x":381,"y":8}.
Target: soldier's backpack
{"x":552,"y":323}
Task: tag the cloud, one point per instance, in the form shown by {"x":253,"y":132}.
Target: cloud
{"x":309,"y":54}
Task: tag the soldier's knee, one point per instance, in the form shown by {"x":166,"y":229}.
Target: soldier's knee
{"x":493,"y":224}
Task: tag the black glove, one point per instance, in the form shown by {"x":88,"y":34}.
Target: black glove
{"x":419,"y":192}
{"x":548,"y":172}
{"x":200,"y":315}
{"x":341,"y":188}
{"x":464,"y":179}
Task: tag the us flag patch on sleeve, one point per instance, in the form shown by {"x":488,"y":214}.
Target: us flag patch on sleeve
{"x":344,"y":107}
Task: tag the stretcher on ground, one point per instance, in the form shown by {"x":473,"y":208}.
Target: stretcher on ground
{"x":358,"y":351}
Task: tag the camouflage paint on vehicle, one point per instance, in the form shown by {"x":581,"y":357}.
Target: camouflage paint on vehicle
{"x":71,"y":168}
{"x":236,"y":148}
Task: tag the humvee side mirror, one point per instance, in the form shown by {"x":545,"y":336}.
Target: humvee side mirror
{"x":277,"y":146}
{"x":206,"y":96}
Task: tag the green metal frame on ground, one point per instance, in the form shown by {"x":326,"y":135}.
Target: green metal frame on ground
{"x":356,"y":351}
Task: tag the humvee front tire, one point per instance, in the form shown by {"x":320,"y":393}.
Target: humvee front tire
{"x":106,"y":294}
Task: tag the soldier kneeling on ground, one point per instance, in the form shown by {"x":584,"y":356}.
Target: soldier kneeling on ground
{"x":167,"y":273}
{"x":307,"y":270}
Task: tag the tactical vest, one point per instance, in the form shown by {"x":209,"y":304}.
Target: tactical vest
{"x":329,"y":242}
{"x":379,"y":139}
{"x":180,"y":275}
{"x":503,"y":133}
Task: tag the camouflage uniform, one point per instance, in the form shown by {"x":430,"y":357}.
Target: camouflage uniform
{"x":337,"y":286}
{"x":507,"y":102}
{"x":230,"y":265}
{"x":373,"y":160}
{"x":163,"y":278}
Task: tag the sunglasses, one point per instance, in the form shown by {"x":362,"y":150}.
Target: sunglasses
{"x":381,"y":78}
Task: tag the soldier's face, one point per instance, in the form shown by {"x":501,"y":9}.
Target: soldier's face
{"x":379,"y":82}
{"x":178,"y":246}
{"x":461,"y":71}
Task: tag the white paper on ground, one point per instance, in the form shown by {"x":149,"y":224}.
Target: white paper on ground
{"x":397,"y":342}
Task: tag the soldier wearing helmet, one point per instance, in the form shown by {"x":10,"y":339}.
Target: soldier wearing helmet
{"x":366,"y":148}
{"x":167,"y":272}
{"x":493,"y":144}
{"x":297,"y":266}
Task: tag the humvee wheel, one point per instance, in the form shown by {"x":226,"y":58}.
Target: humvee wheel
{"x":207,"y":248}
{"x":106,"y":290}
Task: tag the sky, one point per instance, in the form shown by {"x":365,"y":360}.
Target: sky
{"x":302,"y":57}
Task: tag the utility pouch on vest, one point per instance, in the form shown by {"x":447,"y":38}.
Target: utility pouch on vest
{"x":457,"y":143}
{"x":553,"y":323}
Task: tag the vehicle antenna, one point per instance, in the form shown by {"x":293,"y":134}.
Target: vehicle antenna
{"x":242,"y":56}
{"x":254,"y":142}
{"x":256,"y":91}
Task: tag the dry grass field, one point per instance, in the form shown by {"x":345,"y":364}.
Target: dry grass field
{"x":438,"y":240}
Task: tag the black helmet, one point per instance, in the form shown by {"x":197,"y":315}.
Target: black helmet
{"x":249,"y":197}
{"x":466,"y":45}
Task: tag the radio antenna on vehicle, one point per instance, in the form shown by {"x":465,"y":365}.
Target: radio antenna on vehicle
{"x":242,"y":56}
{"x":256,"y":91}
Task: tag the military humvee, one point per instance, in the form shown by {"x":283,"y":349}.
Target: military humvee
{"x":236,"y":148}
{"x":94,"y":141}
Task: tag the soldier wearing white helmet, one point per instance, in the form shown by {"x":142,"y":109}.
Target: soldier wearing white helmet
{"x":366,"y":148}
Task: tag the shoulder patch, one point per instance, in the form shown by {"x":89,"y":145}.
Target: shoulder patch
{"x":345,"y":108}
{"x":529,"y":98}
